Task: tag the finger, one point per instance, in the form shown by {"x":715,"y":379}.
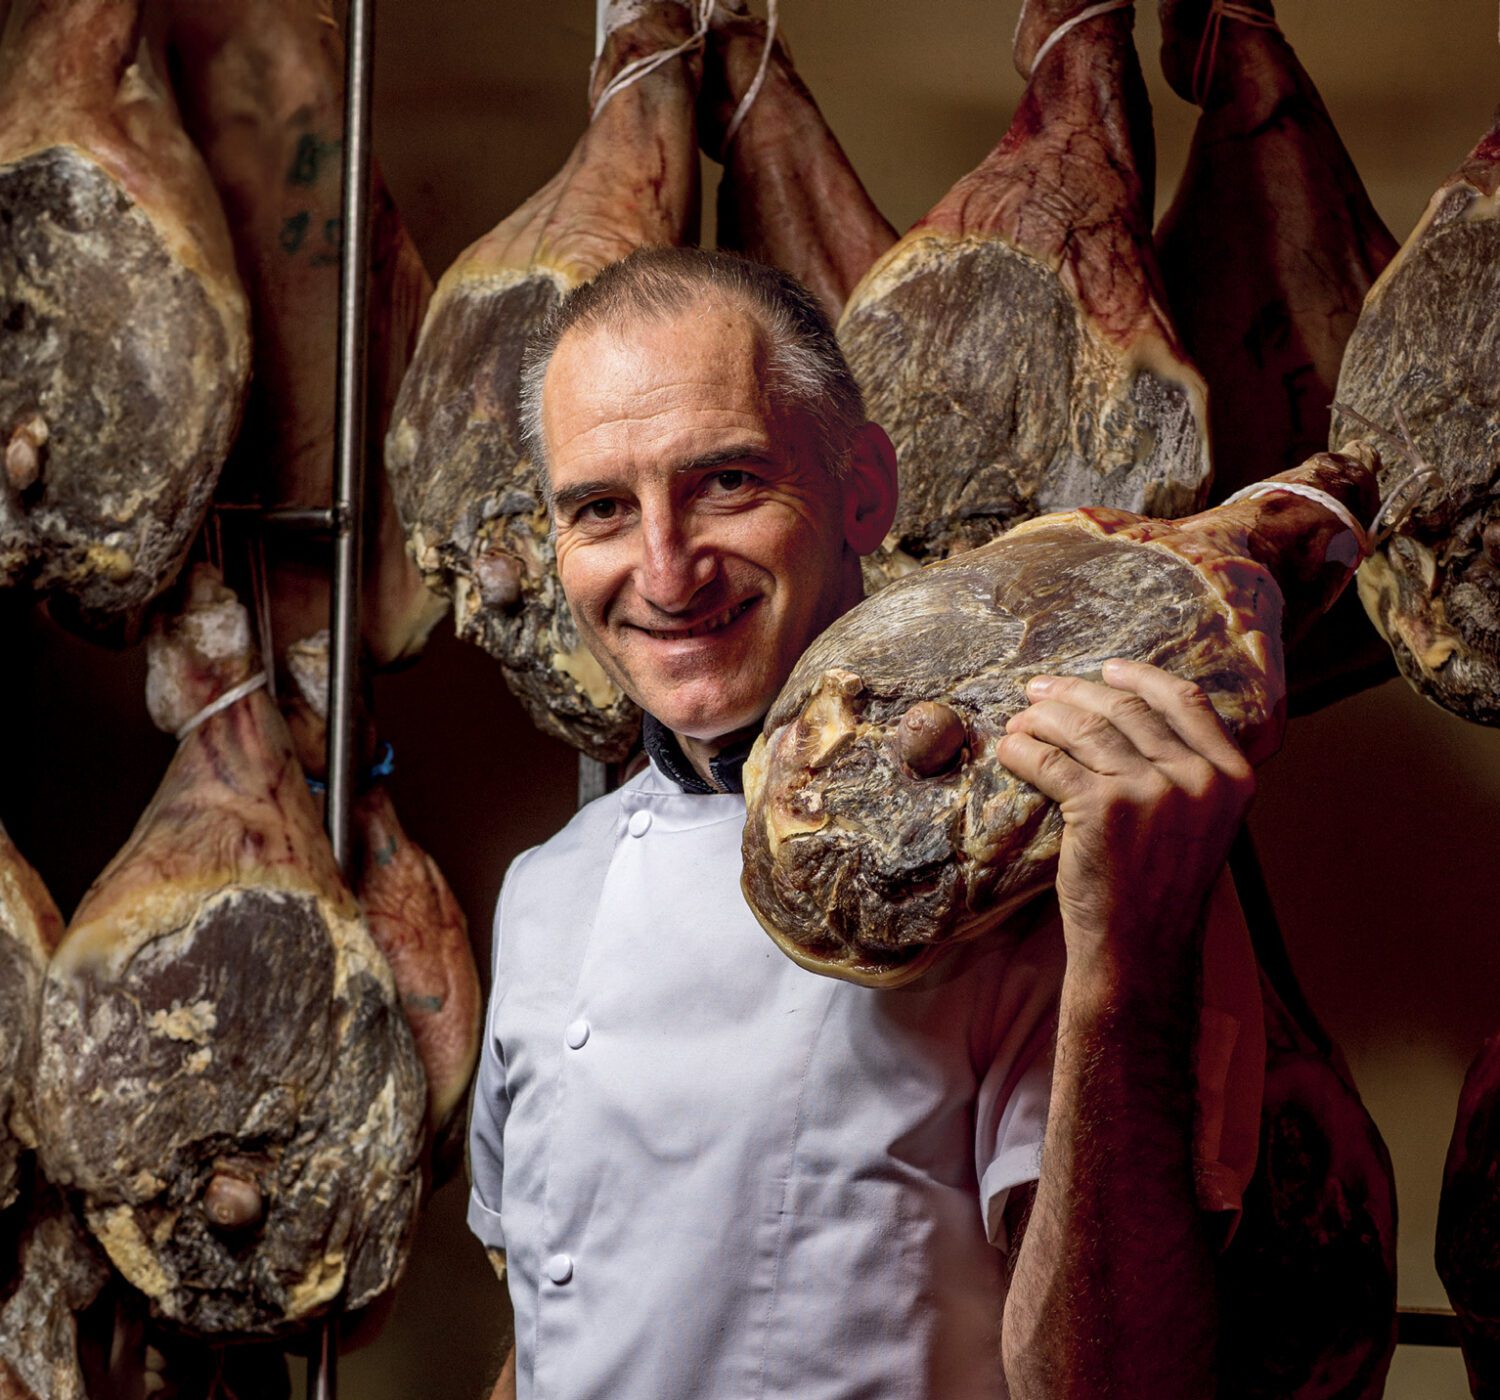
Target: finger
{"x":1147,"y":732}
{"x":1185,"y":707}
{"x":1046,"y":767}
{"x":1086,"y":736}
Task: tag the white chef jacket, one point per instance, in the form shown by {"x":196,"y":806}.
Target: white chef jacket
{"x":715,"y":1174}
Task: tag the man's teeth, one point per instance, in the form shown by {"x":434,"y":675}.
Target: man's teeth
{"x":710,"y":624}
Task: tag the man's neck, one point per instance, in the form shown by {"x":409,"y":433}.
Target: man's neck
{"x":701,"y":752}
{"x":699,"y":765}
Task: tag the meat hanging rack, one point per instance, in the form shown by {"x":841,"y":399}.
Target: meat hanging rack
{"x":348,"y":504}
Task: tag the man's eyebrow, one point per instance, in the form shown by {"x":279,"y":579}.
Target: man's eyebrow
{"x":577,"y":495}
{"x":752,"y":452}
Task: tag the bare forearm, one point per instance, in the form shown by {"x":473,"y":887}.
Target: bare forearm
{"x":1113,"y":1288}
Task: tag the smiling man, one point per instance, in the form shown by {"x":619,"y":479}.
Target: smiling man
{"x":713,"y":1173}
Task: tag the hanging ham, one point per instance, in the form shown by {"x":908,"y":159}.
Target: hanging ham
{"x":1267,"y":252}
{"x":409,"y":909}
{"x":30,"y":928}
{"x":51,"y":1273}
{"x":789,"y":196}
{"x":1468,"y":1226}
{"x":1427,"y":348}
{"x":880,"y":829}
{"x":262,"y":88}
{"x":124,"y":350}
{"x":468,"y":493}
{"x":1015,"y":343}
{"x":225,"y":1079}
{"x":1308,"y":1283}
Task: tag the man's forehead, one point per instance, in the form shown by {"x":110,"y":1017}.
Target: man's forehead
{"x":713,"y":323}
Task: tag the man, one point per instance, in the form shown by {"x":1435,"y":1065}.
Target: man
{"x":713,"y":1173}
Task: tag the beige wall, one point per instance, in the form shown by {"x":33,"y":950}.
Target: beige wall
{"x":1374,"y":824}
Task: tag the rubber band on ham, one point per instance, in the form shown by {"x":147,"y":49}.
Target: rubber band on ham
{"x":1093,"y":12}
{"x":228,"y":698}
{"x":1208,"y":50}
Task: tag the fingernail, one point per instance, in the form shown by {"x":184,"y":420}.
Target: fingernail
{"x":1039,"y":685}
{"x":1110,"y":667}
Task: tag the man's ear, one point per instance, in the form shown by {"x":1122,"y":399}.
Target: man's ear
{"x":869,"y":485}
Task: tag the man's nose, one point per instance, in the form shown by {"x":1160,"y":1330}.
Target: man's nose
{"x":674,"y":563}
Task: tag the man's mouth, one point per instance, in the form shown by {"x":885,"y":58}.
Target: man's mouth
{"x":701,"y":629}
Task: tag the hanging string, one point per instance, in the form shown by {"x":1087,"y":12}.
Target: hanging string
{"x":753,"y":91}
{"x":228,"y":698}
{"x":1068,"y":25}
{"x":1402,"y":498}
{"x":1309,"y":493}
{"x":636,"y":69}
{"x":1208,"y":45}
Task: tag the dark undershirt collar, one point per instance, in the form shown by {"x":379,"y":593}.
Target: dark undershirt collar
{"x":666,"y":753}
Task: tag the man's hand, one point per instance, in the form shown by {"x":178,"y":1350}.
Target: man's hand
{"x":1151,"y":790}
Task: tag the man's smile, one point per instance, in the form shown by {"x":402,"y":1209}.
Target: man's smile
{"x":717,"y":622}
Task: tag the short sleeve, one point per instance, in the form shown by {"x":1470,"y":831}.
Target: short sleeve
{"x":491,"y":1102}
{"x":1011,"y":1107}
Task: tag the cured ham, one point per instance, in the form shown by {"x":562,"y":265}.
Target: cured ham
{"x":1308,"y":1282}
{"x":789,"y":196}
{"x":52,"y":1272}
{"x":468,"y":492}
{"x":1468,"y":1227}
{"x":1427,"y":348}
{"x":125,"y":347}
{"x":1267,"y":251}
{"x":225,"y":1080}
{"x":30,"y":928}
{"x":410,"y":911}
{"x":1015,"y":343}
{"x":262,"y":88}
{"x":881,"y":830}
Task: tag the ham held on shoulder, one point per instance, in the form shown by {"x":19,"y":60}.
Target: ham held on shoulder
{"x":881,"y":829}
{"x":225,"y":1079}
{"x":1015,"y":342}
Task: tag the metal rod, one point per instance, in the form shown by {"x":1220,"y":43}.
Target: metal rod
{"x":282,"y":517}
{"x":348,"y":505}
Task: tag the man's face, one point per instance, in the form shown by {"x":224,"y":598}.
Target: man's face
{"x":700,"y":542}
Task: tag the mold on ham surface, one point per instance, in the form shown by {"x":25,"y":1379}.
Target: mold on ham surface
{"x":1427,"y":347}
{"x":872,"y":842}
{"x":225,"y":1081}
{"x":1015,"y":343}
{"x":476,"y":520}
{"x":124,"y":345}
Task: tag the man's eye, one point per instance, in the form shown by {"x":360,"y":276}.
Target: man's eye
{"x":729,"y":480}
{"x":600,"y":510}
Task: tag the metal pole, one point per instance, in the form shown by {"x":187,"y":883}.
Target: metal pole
{"x":348,"y":505}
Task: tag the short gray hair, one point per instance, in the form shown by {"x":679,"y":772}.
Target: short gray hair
{"x":806,"y":367}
